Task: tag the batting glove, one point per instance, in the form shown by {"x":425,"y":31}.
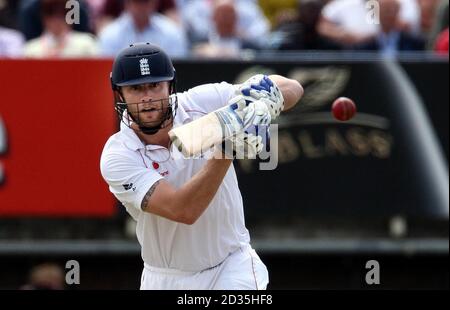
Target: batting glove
{"x":251,"y":113}
{"x":261,"y":87}
{"x":243,"y":146}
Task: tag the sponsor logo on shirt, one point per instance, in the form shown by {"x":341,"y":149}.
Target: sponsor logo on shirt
{"x":127,"y":187}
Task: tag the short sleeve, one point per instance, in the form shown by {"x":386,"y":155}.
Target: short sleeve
{"x":127,"y":180}
{"x":207,"y":98}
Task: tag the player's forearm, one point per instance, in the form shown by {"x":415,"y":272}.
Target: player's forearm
{"x":292,"y":90}
{"x":196,"y":195}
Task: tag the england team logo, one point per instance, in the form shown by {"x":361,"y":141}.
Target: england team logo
{"x":145,"y":68}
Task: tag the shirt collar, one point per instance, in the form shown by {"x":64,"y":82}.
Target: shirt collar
{"x":130,"y":138}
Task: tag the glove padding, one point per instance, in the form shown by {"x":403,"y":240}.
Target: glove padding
{"x":251,"y":113}
{"x":261,"y":87}
{"x":242,"y":146}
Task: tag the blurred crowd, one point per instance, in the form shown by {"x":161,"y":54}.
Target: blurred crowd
{"x":45,"y":276}
{"x":220,"y":28}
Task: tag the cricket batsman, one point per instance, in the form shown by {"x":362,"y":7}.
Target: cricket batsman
{"x":189,"y":211}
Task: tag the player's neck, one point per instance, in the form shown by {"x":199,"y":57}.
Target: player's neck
{"x":159,"y":138}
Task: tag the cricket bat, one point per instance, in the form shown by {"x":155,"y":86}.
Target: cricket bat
{"x":202,"y":134}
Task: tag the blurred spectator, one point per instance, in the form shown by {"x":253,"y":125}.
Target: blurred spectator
{"x":8,"y":14}
{"x":428,"y":9}
{"x":95,"y":13}
{"x":442,"y":15}
{"x":46,"y":276}
{"x":391,"y":37}
{"x":441,"y":20}
{"x":409,"y":16}
{"x":279,"y":11}
{"x":58,"y":39}
{"x":223,"y":38}
{"x":30,"y":18}
{"x":141,"y":23}
{"x":440,"y":24}
{"x":11,"y":43}
{"x":181,"y":4}
{"x":252,"y":25}
{"x":347,"y":22}
{"x":302,"y":33}
{"x":441,"y":45}
{"x":170,"y":9}
{"x":104,"y":12}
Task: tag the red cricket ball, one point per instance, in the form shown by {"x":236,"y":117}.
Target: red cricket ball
{"x":343,"y":109}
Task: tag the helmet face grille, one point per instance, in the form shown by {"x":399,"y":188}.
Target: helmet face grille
{"x":129,"y":113}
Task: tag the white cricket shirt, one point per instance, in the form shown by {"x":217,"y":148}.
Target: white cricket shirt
{"x":131,"y":168}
